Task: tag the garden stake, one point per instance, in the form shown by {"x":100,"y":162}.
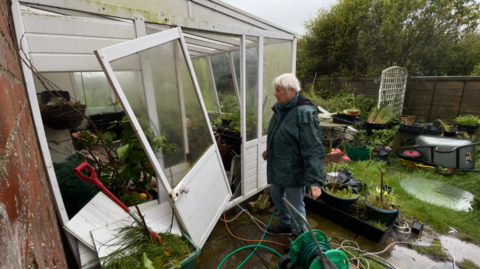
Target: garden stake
{"x":373,"y":121}
{"x":381,"y":185}
{"x":93,"y":179}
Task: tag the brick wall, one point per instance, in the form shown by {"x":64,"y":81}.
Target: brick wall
{"x":29,"y":231}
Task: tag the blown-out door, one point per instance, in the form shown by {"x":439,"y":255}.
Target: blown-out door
{"x":166,"y":106}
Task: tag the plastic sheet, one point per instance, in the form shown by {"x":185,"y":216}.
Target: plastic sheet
{"x":438,"y":193}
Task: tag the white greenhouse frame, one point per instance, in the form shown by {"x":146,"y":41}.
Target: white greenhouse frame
{"x":193,"y":16}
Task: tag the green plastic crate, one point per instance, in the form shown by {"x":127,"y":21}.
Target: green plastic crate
{"x":189,"y":262}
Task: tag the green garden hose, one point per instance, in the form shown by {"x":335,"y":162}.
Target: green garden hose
{"x":251,"y":246}
{"x":375,"y":260}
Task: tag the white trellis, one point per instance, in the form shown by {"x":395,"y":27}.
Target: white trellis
{"x":392,"y":87}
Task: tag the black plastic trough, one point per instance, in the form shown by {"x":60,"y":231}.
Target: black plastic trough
{"x":348,"y":221}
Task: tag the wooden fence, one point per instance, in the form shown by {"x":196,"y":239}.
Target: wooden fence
{"x":429,"y":98}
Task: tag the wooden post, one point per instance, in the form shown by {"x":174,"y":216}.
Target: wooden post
{"x":461,"y":98}
{"x":408,"y":91}
{"x":431,"y":102}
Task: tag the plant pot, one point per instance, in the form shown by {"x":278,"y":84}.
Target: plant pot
{"x":226,"y":123}
{"x":353,"y":112}
{"x":369,"y":127}
{"x":471,"y":130}
{"x":381,"y":215}
{"x":47,"y":96}
{"x":342,"y":204}
{"x":358,"y":154}
{"x":105,"y":120}
{"x":449,"y":134}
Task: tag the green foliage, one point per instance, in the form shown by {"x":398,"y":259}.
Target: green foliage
{"x":378,"y":224}
{"x":344,"y":101}
{"x":362,"y":37}
{"x":446,"y":127}
{"x":468,"y":120}
{"x":387,"y":202}
{"x":231,"y":112}
{"x":335,"y":167}
{"x":476,"y":70}
{"x":433,"y":251}
{"x":384,"y":114}
{"x":132,"y":162}
{"x":381,"y":138}
{"x":468,"y":264}
{"x":339,"y":191}
{"x":136,"y":197}
{"x":475,"y":203}
{"x":137,"y":250}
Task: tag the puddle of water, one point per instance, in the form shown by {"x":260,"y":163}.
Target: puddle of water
{"x":438,"y":193}
{"x":461,"y":250}
{"x":220,"y":244}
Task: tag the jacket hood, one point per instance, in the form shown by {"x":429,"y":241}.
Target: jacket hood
{"x":304,"y":101}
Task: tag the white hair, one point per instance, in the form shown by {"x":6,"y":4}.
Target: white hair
{"x":287,"y":81}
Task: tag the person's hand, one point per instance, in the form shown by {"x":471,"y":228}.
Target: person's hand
{"x":264,"y":155}
{"x":315,"y":192}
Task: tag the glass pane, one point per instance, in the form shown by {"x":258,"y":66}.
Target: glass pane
{"x":202,"y":72}
{"x":222,"y":73}
{"x":251,"y":87}
{"x":277,"y":60}
{"x":170,"y":106}
{"x":236,"y":64}
{"x":96,"y":88}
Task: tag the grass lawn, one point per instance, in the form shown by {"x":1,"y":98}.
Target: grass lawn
{"x":439,"y":218}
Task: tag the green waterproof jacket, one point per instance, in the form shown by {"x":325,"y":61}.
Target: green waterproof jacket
{"x":295,"y":152}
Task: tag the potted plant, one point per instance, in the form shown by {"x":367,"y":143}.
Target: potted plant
{"x":356,"y":149}
{"x":381,"y":204}
{"x":449,"y":130}
{"x":338,"y":195}
{"x":467,"y":124}
{"x":131,"y":160}
{"x":380,"y":117}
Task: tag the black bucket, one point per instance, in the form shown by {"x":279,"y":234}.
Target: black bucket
{"x":471,"y":130}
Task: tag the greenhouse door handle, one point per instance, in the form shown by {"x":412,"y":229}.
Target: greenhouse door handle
{"x":184,"y":189}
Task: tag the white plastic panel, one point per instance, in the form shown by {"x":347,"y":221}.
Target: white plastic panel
{"x":64,"y":43}
{"x":99,"y":212}
{"x":158,"y":219}
{"x":205,"y":202}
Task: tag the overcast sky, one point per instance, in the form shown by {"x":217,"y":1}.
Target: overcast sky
{"x":287,"y":13}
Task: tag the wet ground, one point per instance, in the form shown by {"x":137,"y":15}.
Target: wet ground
{"x":221,"y":243}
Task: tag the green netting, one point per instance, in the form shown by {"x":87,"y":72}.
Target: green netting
{"x":438,"y":193}
{"x":76,"y":193}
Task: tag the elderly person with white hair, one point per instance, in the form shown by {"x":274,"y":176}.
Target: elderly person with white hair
{"x":295,"y":152}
